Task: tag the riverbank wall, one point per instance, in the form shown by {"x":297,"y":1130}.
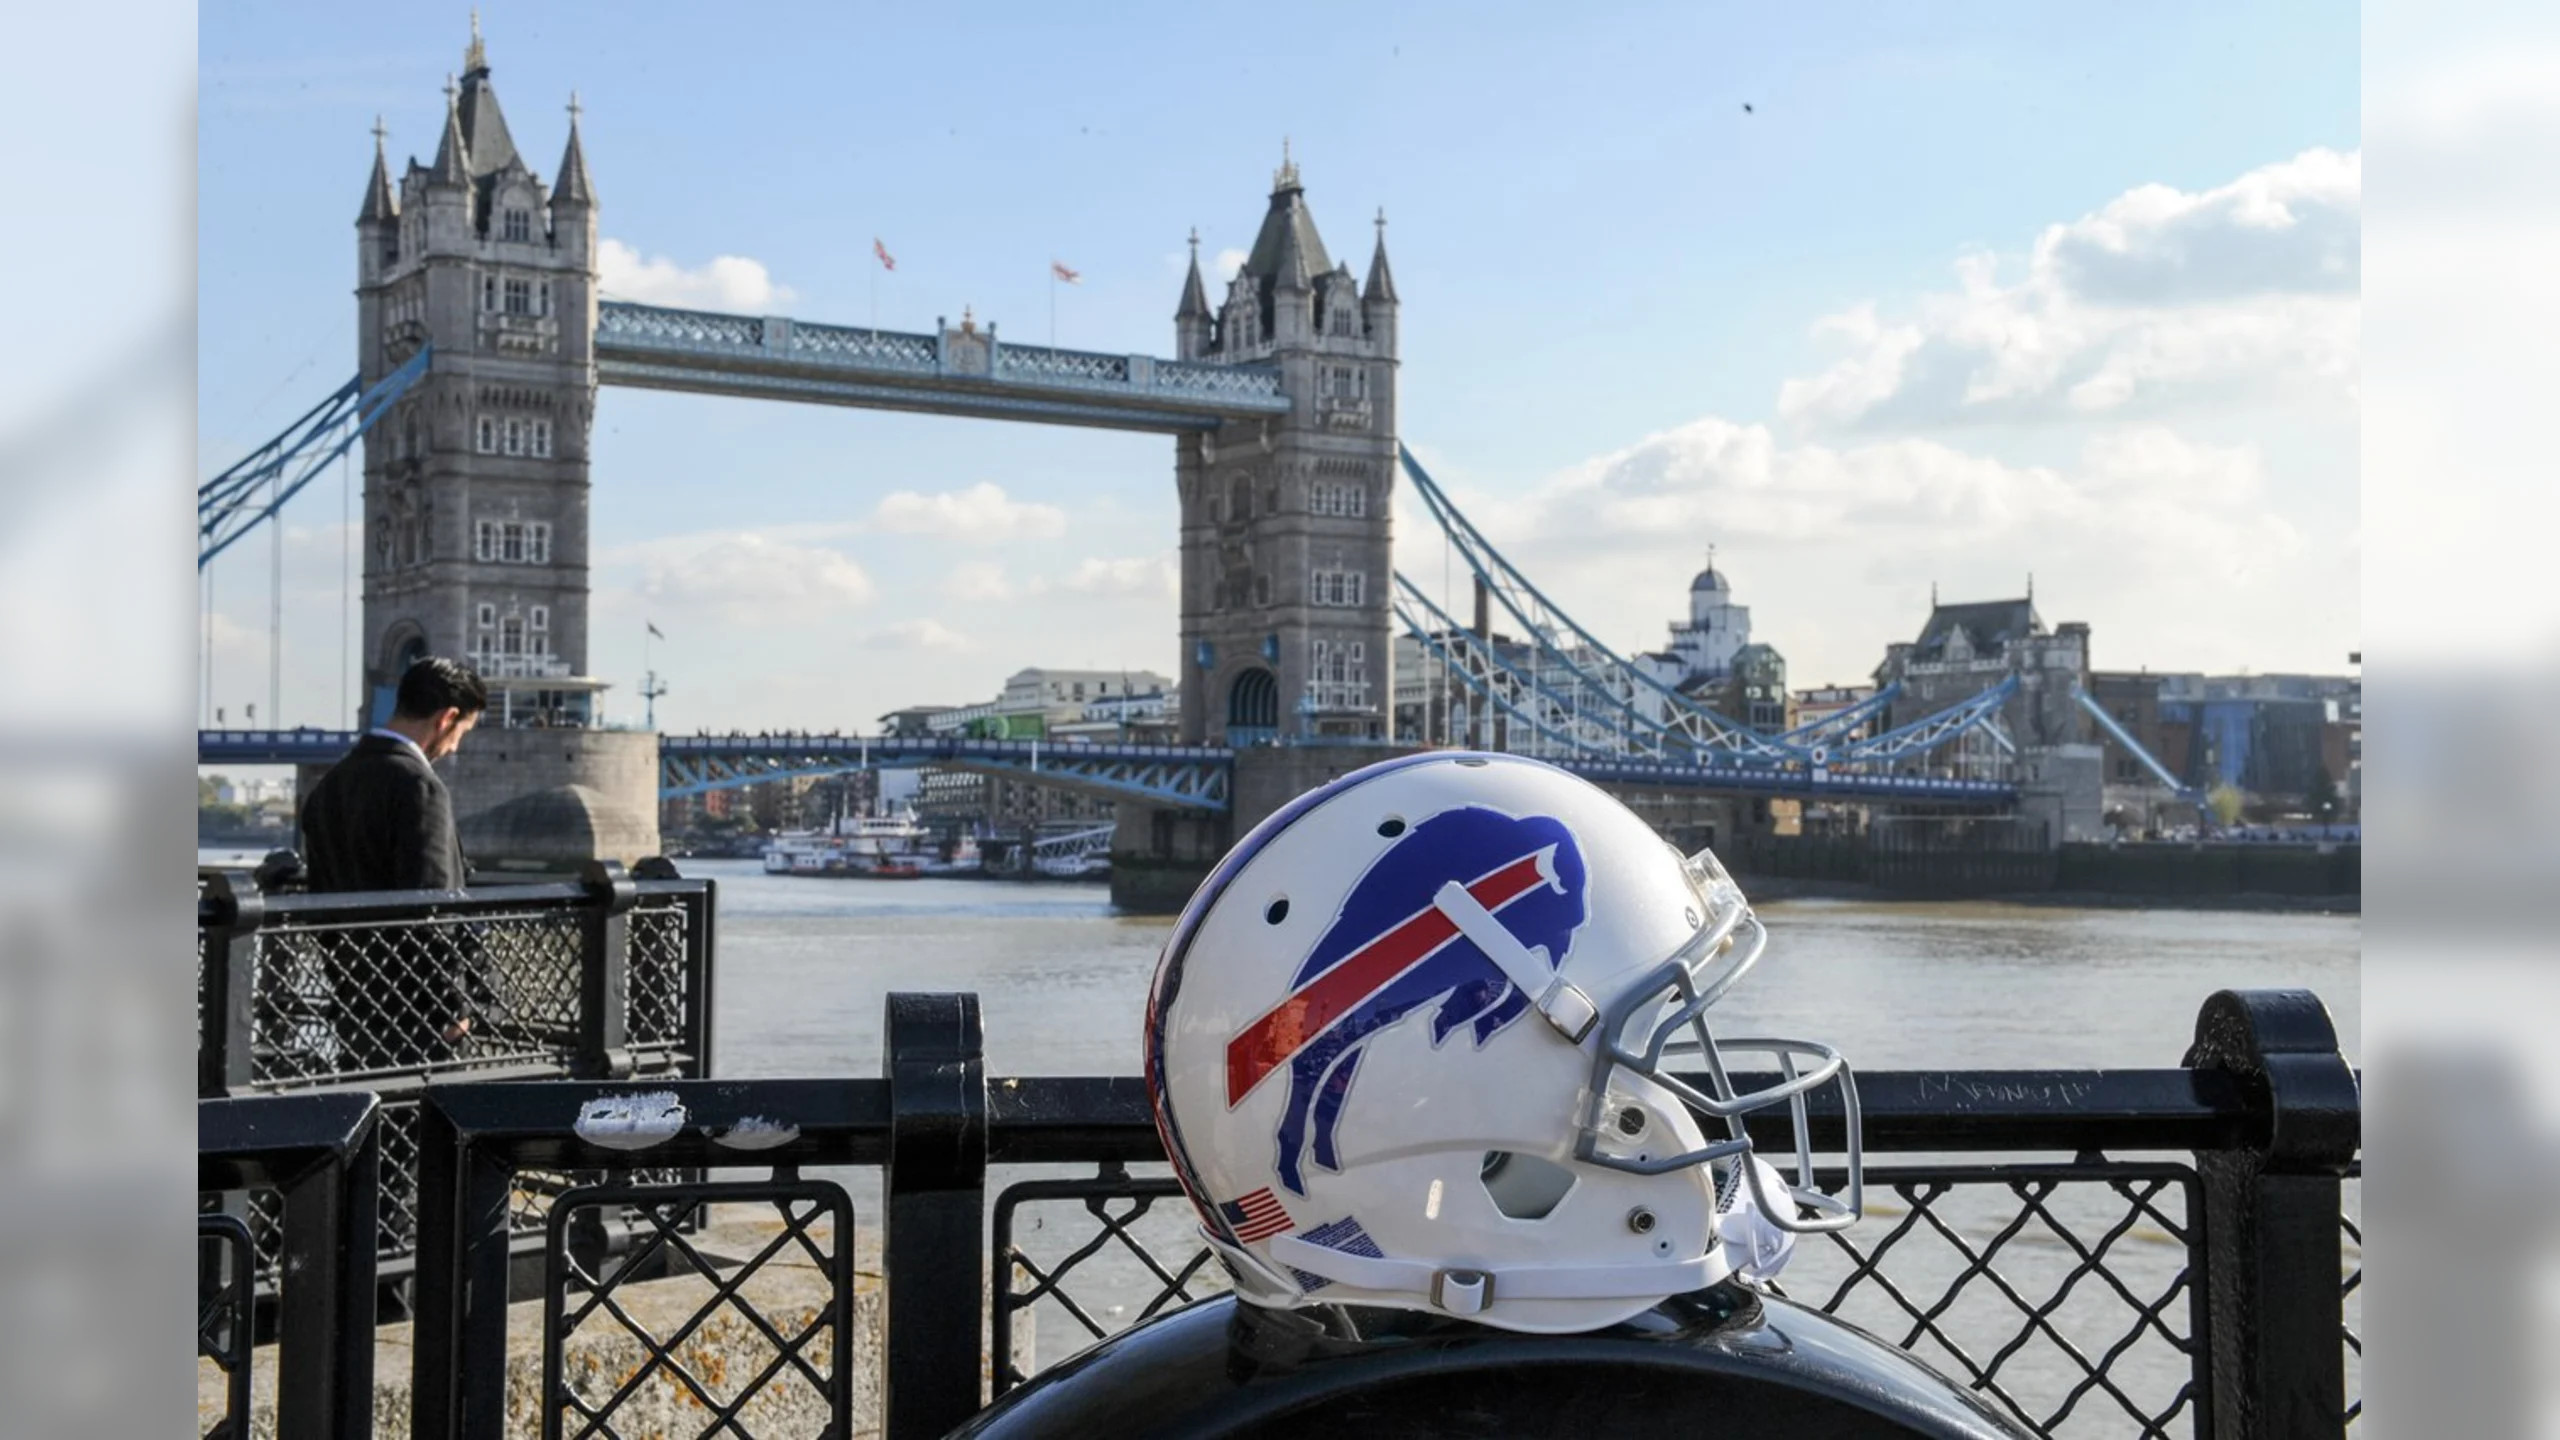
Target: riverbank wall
{"x":2217,"y":876}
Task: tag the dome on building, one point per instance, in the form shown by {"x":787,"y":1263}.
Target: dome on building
{"x":1708,"y":579}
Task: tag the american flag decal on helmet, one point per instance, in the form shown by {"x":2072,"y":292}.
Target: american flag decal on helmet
{"x":1257,"y":1216}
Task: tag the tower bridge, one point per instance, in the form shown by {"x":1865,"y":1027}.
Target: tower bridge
{"x":483,"y":343}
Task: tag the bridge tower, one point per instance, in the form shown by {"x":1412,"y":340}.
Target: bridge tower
{"x":475,"y":487}
{"x":1285,"y":566}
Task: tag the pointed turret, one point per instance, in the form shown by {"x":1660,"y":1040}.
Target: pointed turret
{"x":1381,"y":289}
{"x":484,"y":128}
{"x":1195,"y":296}
{"x":379,"y":204}
{"x":1193,"y":329}
{"x":453,"y":154}
{"x":573,"y":187}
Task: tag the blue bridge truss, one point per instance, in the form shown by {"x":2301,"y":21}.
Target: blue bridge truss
{"x":249,"y":494}
{"x":1191,"y":777}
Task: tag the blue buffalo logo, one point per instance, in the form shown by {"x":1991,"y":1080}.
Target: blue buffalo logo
{"x":1391,"y":951}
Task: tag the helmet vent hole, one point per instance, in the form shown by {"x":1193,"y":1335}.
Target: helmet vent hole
{"x":1525,"y":1187}
{"x":1472,"y":761}
{"x":1276,"y":911}
{"x":1392,"y":826}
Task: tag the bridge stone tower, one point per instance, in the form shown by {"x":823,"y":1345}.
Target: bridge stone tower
{"x":475,"y":486}
{"x":1285,"y":565}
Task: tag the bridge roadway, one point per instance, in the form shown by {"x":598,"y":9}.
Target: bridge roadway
{"x":1193,"y":777}
{"x":966,"y":371}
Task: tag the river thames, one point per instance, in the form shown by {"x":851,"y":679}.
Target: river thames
{"x":804,"y":963}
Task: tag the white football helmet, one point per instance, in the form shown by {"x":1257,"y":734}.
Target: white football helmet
{"x":1408,"y":1047}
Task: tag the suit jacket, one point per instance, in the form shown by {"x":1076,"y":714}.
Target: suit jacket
{"x":381,"y":820}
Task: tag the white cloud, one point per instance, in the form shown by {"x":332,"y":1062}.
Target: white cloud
{"x":1147,"y":575}
{"x":2159,"y":302}
{"x":2145,"y":534}
{"x":978,"y":580}
{"x":981,"y":514}
{"x":917,"y":635}
{"x":746,"y":578}
{"x":1229,"y":262}
{"x":725,"y":282}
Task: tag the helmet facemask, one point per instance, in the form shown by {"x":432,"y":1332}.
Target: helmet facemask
{"x":1667,"y":1009}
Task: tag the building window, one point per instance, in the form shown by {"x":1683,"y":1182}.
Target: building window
{"x":511,"y":542}
{"x":488,"y":436}
{"x":1351,"y":500}
{"x":542,"y":299}
{"x":542,"y":438}
{"x":540,"y":617}
{"x":519,"y":225}
{"x":519,"y":297}
{"x":1339,"y":588}
{"x":488,"y":615}
{"x":488,"y":292}
{"x":511,"y":635}
{"x":515,"y":436}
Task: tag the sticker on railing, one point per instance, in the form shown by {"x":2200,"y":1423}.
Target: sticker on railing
{"x":756,"y":1132}
{"x":631,"y":1122}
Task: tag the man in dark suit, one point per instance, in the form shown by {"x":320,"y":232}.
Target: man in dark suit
{"x":382,"y":820}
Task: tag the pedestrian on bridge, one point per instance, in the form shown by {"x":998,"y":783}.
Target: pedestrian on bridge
{"x":381,"y":819}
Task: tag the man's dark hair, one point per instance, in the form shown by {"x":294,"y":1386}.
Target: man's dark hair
{"x":434,"y":685}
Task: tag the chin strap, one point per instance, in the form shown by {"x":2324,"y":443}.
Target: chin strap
{"x":1563,"y":1005}
{"x":1463,"y":1290}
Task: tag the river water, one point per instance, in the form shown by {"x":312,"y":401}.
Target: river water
{"x":1061,"y":981}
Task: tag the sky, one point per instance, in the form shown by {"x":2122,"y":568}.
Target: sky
{"x":1968,"y":295}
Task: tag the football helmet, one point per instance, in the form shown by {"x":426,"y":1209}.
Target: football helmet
{"x":1410,"y":1045}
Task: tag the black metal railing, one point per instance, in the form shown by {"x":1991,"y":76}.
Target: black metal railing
{"x":322,"y":1155}
{"x":2157,"y":1252}
{"x":609,"y":976}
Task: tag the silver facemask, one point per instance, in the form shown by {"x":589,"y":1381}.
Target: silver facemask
{"x":1667,"y":1011}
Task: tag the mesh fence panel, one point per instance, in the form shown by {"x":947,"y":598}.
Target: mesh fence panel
{"x":358,"y":1000}
{"x":658,"y":1015}
{"x":2061,"y":1291}
{"x":755,"y":1339}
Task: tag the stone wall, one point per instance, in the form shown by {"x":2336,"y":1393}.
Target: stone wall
{"x":548,"y":800}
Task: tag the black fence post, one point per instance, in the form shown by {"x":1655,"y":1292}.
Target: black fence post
{"x":324,"y":1321}
{"x":2269,"y":1236}
{"x":934,"y":1253}
{"x":604,"y":973}
{"x":458,"y":1373}
{"x":225,"y":1022}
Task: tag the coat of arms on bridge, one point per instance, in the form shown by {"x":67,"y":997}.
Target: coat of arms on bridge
{"x":968,"y":350}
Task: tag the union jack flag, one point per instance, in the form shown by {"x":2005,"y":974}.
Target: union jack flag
{"x":1257,"y":1216}
{"x":887,"y":261}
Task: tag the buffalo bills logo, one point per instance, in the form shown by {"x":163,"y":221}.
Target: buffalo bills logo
{"x":1390,"y":950}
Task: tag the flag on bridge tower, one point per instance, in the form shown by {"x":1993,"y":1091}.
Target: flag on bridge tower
{"x":654,"y":630}
{"x":1063,"y":273}
{"x":887,"y":261}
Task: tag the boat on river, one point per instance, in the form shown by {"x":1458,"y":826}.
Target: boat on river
{"x":890,"y":846}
